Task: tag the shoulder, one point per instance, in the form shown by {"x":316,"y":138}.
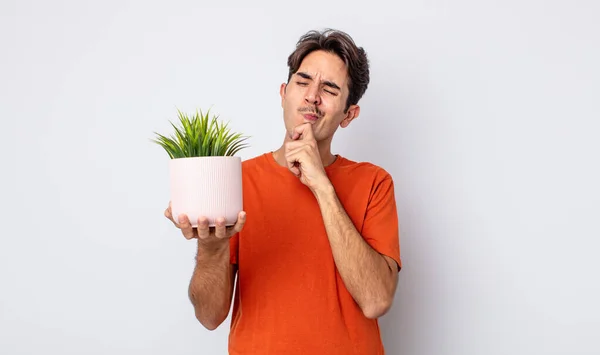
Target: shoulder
{"x":254,"y":162}
{"x":258,"y":166}
{"x":364,"y":170}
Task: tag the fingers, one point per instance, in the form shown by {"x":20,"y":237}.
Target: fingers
{"x":183,"y":223}
{"x":203,"y":230}
{"x":293,"y":145}
{"x":303,"y":131}
{"x":294,"y":166}
{"x":296,"y":150}
{"x":295,"y":157}
{"x":220,"y":230}
{"x":186,"y":227}
{"x":227,"y":232}
{"x":169,"y":214}
{"x":239,"y":224}
{"x":299,"y":149}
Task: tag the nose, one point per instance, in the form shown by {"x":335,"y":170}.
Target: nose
{"x":312,"y":95}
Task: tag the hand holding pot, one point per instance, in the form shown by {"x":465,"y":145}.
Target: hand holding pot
{"x":205,"y":234}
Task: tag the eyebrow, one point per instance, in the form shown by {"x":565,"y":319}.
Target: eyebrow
{"x":331,"y":84}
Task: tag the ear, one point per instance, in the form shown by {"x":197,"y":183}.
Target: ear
{"x":282,"y":92}
{"x":353,"y":112}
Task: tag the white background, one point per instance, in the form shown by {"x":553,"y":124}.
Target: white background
{"x":485,"y":113}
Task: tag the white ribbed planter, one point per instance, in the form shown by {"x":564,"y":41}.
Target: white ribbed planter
{"x":206,"y":186}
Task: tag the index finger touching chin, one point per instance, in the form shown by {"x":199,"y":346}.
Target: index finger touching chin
{"x":304,"y":130}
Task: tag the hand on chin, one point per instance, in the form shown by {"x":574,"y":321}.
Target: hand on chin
{"x":303,"y":158}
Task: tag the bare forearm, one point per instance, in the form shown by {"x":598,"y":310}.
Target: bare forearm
{"x":211,"y":287}
{"x":366,"y":273}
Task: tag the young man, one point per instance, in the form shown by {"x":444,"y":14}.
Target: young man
{"x":317,"y":258}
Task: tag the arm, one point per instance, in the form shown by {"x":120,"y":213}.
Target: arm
{"x":211,"y":286}
{"x":370,"y":277}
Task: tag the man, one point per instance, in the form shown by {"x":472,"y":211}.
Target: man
{"x":317,"y":258}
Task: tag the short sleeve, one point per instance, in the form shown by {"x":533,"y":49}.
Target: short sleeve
{"x":234,"y":243}
{"x":380,"y":228}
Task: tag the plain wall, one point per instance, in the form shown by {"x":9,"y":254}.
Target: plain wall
{"x":485,"y":113}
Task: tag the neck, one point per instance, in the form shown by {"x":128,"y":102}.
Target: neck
{"x":324,"y":151}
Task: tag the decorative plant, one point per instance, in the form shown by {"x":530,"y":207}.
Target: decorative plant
{"x":201,"y":136}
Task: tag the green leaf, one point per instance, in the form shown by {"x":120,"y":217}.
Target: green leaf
{"x":200,"y":135}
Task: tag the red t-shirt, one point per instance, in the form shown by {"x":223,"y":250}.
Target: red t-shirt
{"x":290,"y":298}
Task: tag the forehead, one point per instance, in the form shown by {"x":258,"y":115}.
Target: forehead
{"x":325,"y":66}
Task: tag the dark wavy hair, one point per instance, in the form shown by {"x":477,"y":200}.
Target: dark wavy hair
{"x":342,"y":45}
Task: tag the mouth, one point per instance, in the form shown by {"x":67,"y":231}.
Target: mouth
{"x":310,"y":117}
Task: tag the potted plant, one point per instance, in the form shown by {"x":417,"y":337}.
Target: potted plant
{"x":205,"y":176}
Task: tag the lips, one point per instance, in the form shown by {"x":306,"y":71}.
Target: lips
{"x":310,"y":117}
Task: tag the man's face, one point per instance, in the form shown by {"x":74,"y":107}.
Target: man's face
{"x":317,"y":94}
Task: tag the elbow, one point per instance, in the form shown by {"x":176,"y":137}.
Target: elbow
{"x":210,"y":317}
{"x":380,"y":302}
{"x":377,"y":308}
{"x":210,"y":323}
